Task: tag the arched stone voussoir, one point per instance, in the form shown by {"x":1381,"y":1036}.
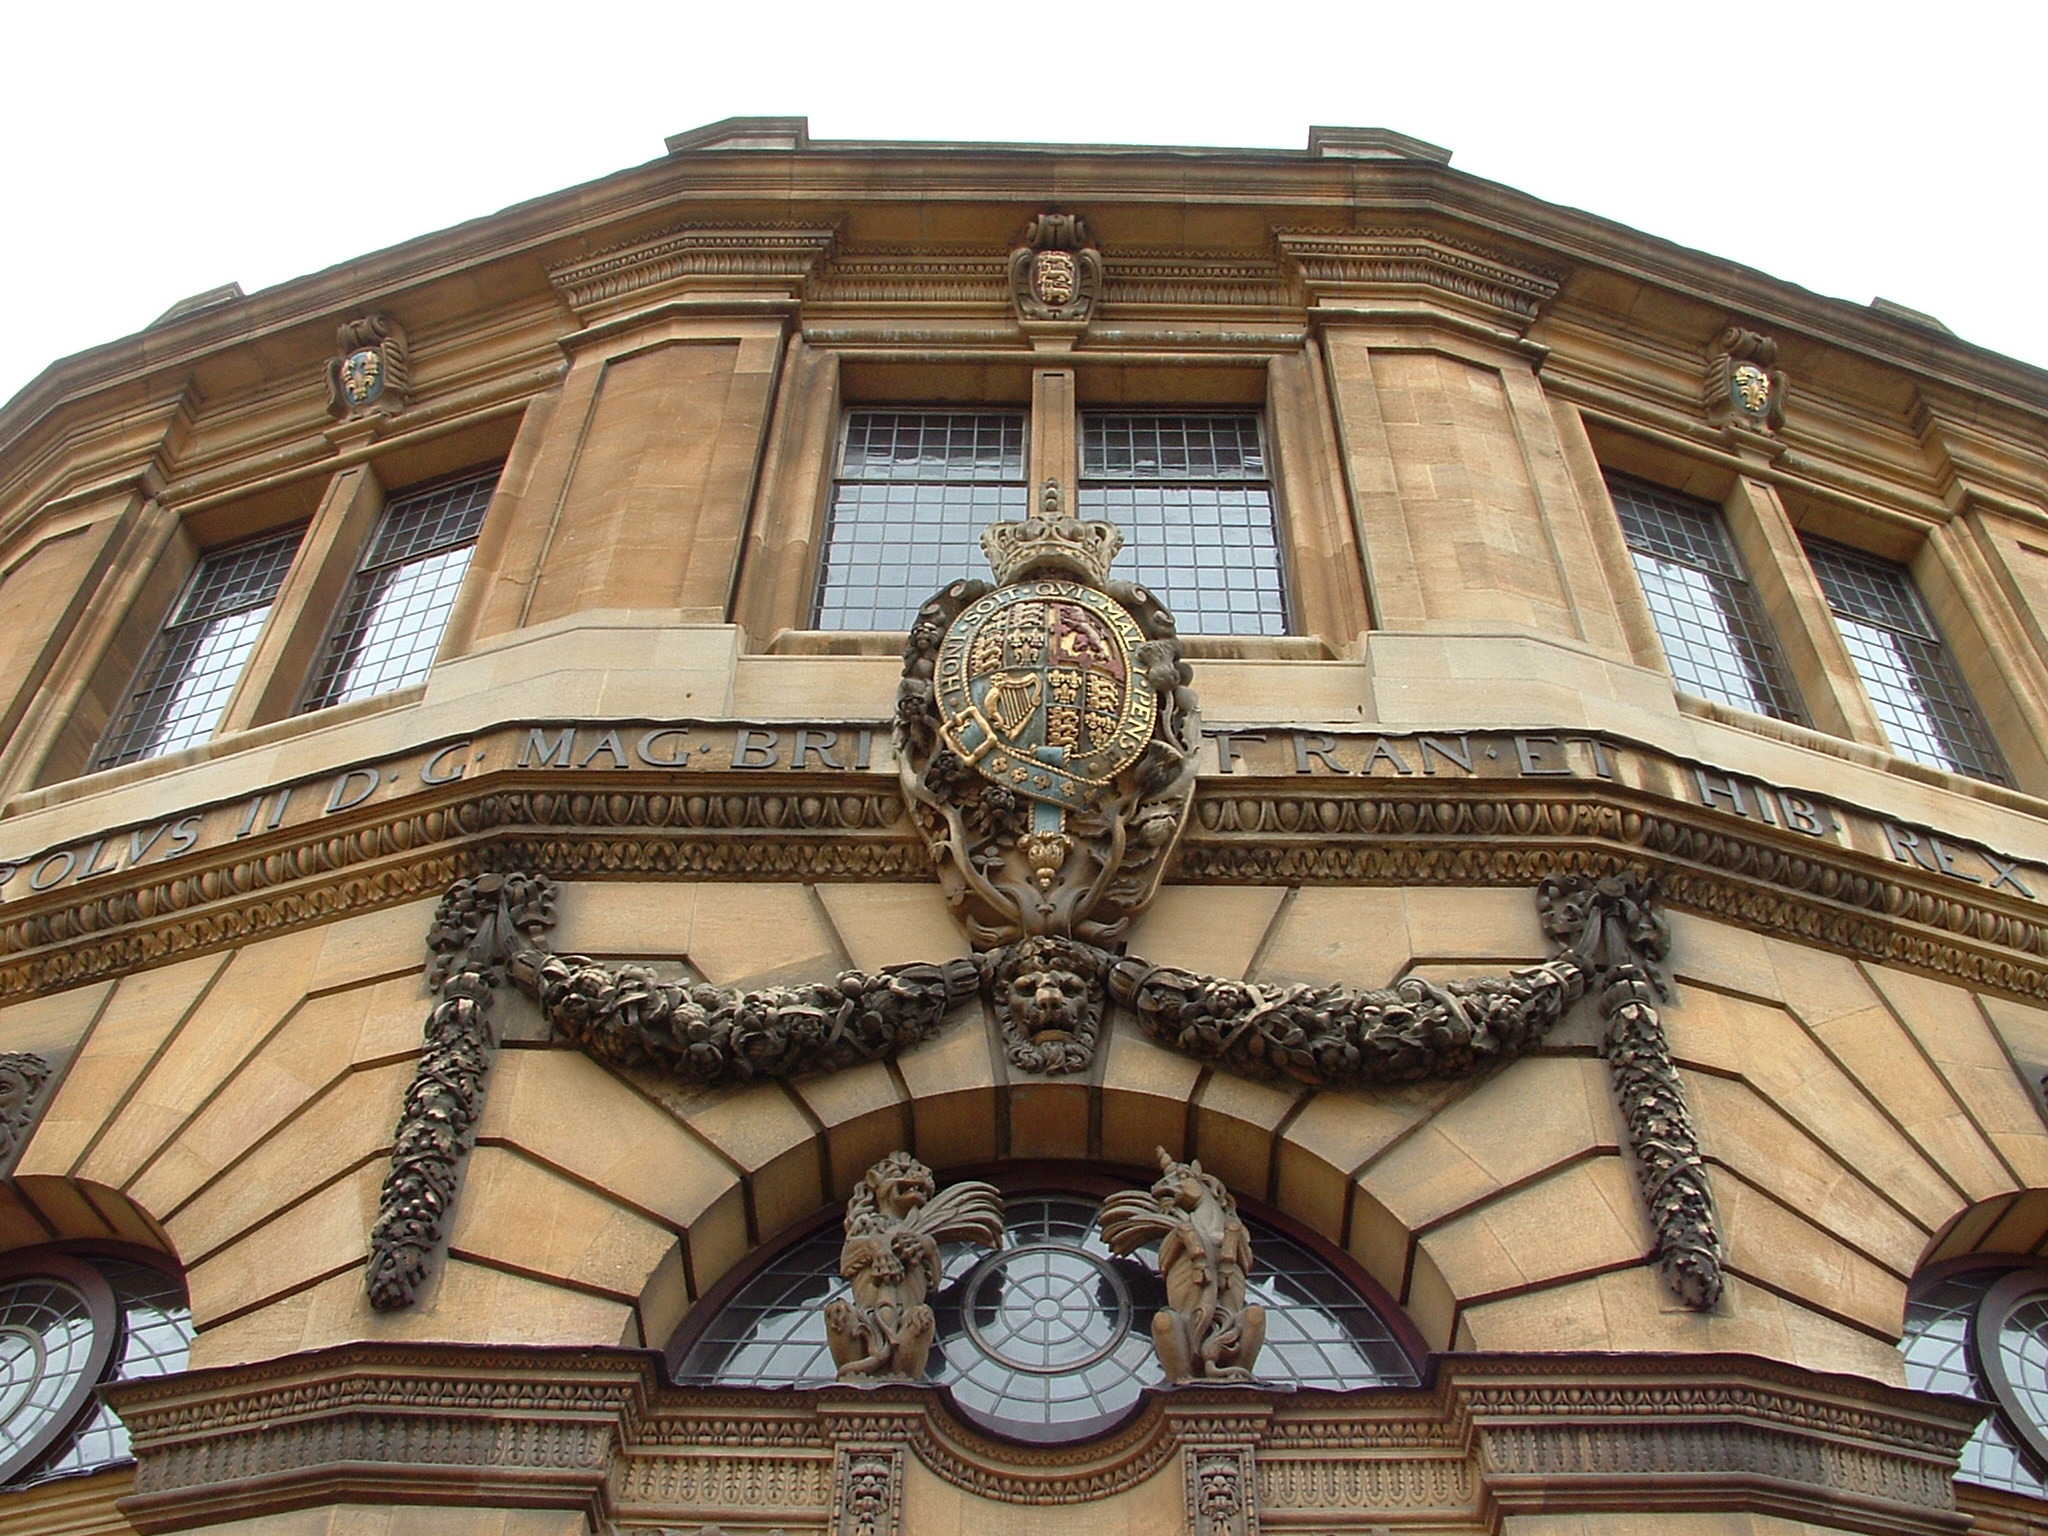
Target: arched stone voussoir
{"x":45,"y":1208}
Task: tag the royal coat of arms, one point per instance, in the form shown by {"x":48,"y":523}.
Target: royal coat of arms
{"x":1046,"y":729}
{"x":1036,"y":691}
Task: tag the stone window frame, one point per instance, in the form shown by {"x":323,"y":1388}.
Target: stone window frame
{"x":1767,"y":515}
{"x":1322,"y":569}
{"x":339,"y":509}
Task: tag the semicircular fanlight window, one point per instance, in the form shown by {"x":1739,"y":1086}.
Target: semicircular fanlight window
{"x":1049,"y":1337}
{"x":1984,"y":1334}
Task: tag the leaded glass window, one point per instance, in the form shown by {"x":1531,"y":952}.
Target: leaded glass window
{"x":67,"y":1325}
{"x":191,"y":670}
{"x":1715,"y":637}
{"x":1984,"y":1334}
{"x":391,"y":621}
{"x":1910,"y":675}
{"x":1049,"y":1337}
{"x":912,"y":493}
{"x":1194,"y":498}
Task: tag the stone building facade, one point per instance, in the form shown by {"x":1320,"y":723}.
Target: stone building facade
{"x":1545,"y":809}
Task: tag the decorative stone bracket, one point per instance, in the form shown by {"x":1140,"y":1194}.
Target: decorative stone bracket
{"x":1607,"y":931}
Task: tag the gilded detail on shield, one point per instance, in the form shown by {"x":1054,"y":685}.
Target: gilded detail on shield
{"x":362,"y":377}
{"x":1055,"y":278}
{"x":1035,"y":691}
{"x":1752,"y":388}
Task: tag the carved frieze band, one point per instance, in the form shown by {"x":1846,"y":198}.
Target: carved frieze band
{"x":1375,"y":834}
{"x":438,"y":1425}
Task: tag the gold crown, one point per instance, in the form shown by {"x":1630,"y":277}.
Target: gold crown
{"x":1053,"y":539}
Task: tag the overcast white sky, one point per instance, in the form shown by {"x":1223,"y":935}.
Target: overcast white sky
{"x":1857,"y":149}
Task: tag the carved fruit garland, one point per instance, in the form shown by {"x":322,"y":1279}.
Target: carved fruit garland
{"x":1046,"y":732}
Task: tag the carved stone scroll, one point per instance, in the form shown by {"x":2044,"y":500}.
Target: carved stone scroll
{"x":22,"y":1076}
{"x":894,"y":1224}
{"x":478,"y":923}
{"x":1205,"y":1332}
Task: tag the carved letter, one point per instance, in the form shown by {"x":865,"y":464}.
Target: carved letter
{"x":755,"y":749}
{"x":431,"y":771}
{"x":537,"y":750}
{"x":344,"y":798}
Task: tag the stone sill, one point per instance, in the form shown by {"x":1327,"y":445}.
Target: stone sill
{"x":220,"y":746}
{"x":885,"y":642}
{"x":2003,"y":796}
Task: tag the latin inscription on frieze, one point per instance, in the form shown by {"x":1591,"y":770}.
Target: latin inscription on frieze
{"x":518,"y":753}
{"x":694,"y":746}
{"x":1435,"y":754}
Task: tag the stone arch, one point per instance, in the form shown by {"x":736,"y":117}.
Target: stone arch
{"x":37,"y":1209}
{"x":2009,"y":1225}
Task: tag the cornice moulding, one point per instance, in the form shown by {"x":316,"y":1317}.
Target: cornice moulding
{"x":774,"y":257}
{"x":593,"y":1430}
{"x":1416,"y":189}
{"x":1352,"y":265}
{"x":618,"y":824}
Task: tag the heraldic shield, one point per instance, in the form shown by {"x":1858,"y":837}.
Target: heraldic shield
{"x":1036,"y":691}
{"x":1046,"y":734}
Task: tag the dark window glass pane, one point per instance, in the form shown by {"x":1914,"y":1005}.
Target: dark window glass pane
{"x":153,"y":1335}
{"x":1911,"y":677}
{"x":193,"y":667}
{"x":914,"y":491}
{"x":391,"y":621}
{"x":1191,"y":494}
{"x":1707,"y":614}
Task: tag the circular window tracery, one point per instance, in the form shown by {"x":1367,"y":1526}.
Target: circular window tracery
{"x":1983,"y":1333}
{"x":67,"y":1324}
{"x":1049,"y":1336}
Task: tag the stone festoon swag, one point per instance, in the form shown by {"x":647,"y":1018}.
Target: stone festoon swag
{"x":1046,"y":731}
